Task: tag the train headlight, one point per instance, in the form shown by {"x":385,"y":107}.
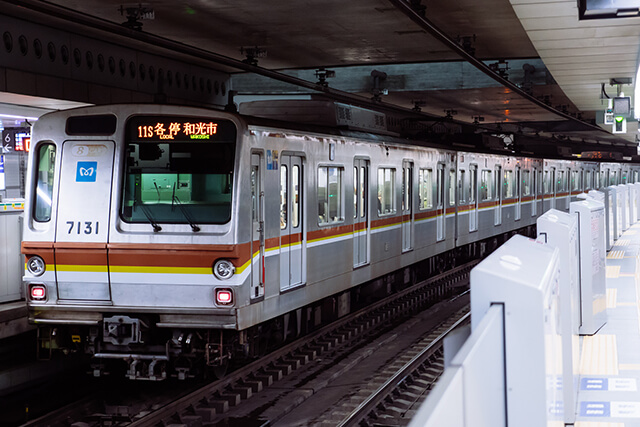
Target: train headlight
{"x":38,"y":292}
{"x":224,"y":296}
{"x":36,"y":265}
{"x":223,"y":269}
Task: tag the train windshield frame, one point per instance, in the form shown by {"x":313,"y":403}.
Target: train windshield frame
{"x":178,"y":170}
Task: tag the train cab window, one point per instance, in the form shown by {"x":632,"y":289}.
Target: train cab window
{"x":46,"y":164}
{"x":486,"y":185}
{"x":425,"y":178}
{"x":386,"y":191}
{"x":507,"y":185}
{"x":330,"y":195}
{"x":452,"y":187}
{"x":179,"y":170}
{"x":526,"y":183}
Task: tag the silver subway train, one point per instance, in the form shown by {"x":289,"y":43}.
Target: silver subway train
{"x":171,"y":238}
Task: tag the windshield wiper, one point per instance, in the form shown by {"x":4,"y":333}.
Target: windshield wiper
{"x":146,"y":213}
{"x":185,"y":213}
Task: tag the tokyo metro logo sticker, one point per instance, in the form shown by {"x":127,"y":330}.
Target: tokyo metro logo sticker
{"x":86,"y":171}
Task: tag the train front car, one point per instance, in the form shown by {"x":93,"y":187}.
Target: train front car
{"x":132,"y":248}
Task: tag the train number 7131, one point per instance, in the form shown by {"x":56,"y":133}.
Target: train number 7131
{"x":83,"y":227}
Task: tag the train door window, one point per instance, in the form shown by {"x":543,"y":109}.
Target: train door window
{"x":355,"y":192}
{"x":386,"y":191}
{"x":540,"y":183}
{"x":473,"y":184}
{"x":499,"y":196}
{"x":623,"y":176}
{"x":406,"y":188}
{"x":507,"y":185}
{"x":452,"y":187}
{"x":526,"y":183}
{"x":329,"y":194}
{"x":614,"y":178}
{"x":440,"y":203}
{"x":283,"y":196}
{"x":635,"y":176}
{"x":257,"y":242}
{"x":425,"y":188}
{"x":486,"y":185}
{"x":560,"y":182}
{"x":535,"y":188}
{"x":587,"y":180}
{"x":547,"y":179}
{"x":46,"y":164}
{"x":295,"y":200}
{"x":473,"y":198}
{"x":361,"y":225}
{"x":463,"y":190}
{"x":407,"y":205}
{"x":575,"y":181}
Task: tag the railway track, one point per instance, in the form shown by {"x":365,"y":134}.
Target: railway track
{"x":281,"y":381}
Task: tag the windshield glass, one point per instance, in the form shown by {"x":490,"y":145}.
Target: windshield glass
{"x":179,"y":170}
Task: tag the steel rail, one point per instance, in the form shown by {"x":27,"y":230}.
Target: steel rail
{"x":392,"y":383}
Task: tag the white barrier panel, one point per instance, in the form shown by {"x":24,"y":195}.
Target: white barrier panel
{"x":593,"y":290}
{"x":623,"y":191}
{"x":471,"y":391}
{"x":523,"y":275}
{"x":605,"y":198}
{"x":560,"y":229}
{"x":11,"y":260}
{"x":614,"y":203}
{"x":637,"y":187}
{"x":633,"y":203}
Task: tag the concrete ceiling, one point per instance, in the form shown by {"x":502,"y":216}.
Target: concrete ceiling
{"x":571,"y":58}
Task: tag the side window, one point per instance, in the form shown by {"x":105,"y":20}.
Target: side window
{"x":587,"y":184}
{"x":386,"y":191}
{"x":45,"y":171}
{"x":329,"y":194}
{"x":486,"y":183}
{"x":425,"y":176}
{"x":452,"y":187}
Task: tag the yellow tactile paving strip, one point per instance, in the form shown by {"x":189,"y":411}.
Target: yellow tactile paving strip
{"x":630,"y":232}
{"x":613,"y":271}
{"x":597,"y":424}
{"x":599,"y":355}
{"x":615,"y":255}
{"x":622,"y":242}
{"x":612,"y":294}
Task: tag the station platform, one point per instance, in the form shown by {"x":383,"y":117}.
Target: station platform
{"x":13,"y":319}
{"x":608,"y":393}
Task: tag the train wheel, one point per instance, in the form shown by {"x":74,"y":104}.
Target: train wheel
{"x":220,"y":371}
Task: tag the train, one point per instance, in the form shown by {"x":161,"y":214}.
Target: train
{"x":172,"y":240}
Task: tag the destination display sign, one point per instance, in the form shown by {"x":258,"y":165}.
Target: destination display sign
{"x":179,"y":129}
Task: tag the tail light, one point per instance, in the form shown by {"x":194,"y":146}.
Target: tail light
{"x":38,"y":292}
{"x":224,"y":297}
